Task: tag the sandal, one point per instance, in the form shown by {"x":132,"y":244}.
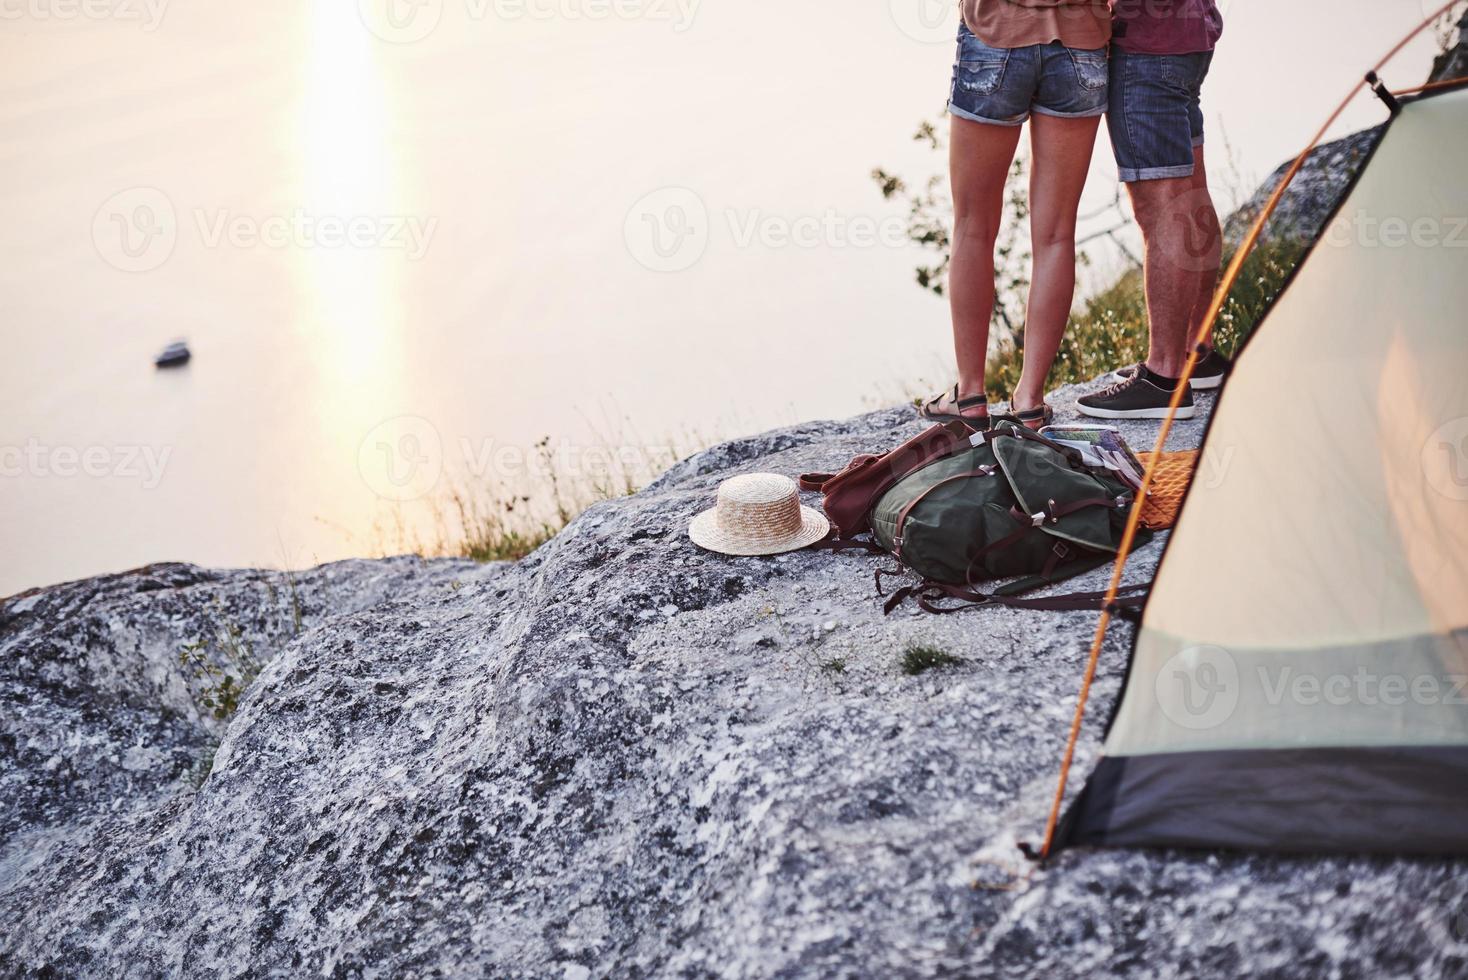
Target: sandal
{"x":1032,"y":418}
{"x":930,"y":410}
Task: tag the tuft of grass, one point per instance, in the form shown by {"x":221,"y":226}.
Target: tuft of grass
{"x":918,"y":658}
{"x":222,"y":667}
{"x":508,"y":518}
{"x":836,"y":666}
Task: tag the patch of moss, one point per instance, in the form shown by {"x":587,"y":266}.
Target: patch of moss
{"x":918,"y":658}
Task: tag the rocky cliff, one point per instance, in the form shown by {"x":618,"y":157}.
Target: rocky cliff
{"x":620,"y":757}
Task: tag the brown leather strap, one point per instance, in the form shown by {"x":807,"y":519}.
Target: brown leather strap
{"x":815,"y":482}
{"x":1053,"y":512}
{"x":1059,"y":553}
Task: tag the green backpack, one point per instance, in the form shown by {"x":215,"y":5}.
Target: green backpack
{"x":1010,"y":503}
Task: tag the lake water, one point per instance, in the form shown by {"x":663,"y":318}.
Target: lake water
{"x":408,"y":240}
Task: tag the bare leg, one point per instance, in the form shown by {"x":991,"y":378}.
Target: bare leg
{"x":979,"y":159}
{"x":1061,"y":153}
{"x":1183,"y":246}
{"x":1208,"y":278}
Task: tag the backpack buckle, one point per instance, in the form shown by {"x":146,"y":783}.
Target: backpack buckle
{"x":1038,"y":519}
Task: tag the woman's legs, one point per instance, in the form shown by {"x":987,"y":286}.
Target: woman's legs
{"x":979,"y":158}
{"x":1061,"y":158}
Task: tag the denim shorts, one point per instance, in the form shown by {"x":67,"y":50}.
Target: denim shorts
{"x":1156,"y":114}
{"x":1003,"y":86}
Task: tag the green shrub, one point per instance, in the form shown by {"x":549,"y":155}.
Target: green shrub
{"x":221,"y":669}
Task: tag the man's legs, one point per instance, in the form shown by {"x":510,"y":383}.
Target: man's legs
{"x":1208,"y":277}
{"x":1184,"y":245}
{"x":1156,"y":125}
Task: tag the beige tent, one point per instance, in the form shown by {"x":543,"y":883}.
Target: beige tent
{"x":1300,"y":675}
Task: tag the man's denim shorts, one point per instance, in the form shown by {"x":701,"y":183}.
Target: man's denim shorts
{"x":1156,"y":116}
{"x":1003,"y":85}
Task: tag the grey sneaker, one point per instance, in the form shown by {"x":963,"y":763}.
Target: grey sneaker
{"x":1135,"y":398}
{"x":1209,"y":373}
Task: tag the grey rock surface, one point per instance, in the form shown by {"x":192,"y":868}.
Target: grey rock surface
{"x":620,"y":757}
{"x":1453,"y":63}
{"x":1311,"y":197}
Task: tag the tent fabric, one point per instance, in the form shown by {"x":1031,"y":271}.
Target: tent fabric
{"x":1299,"y":679}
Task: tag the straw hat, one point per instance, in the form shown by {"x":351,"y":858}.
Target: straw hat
{"x":758,"y":514}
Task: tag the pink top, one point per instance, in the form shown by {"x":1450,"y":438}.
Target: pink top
{"x":1166,"y":26}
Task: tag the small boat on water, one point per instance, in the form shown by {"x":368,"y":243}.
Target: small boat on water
{"x":174,"y":355}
